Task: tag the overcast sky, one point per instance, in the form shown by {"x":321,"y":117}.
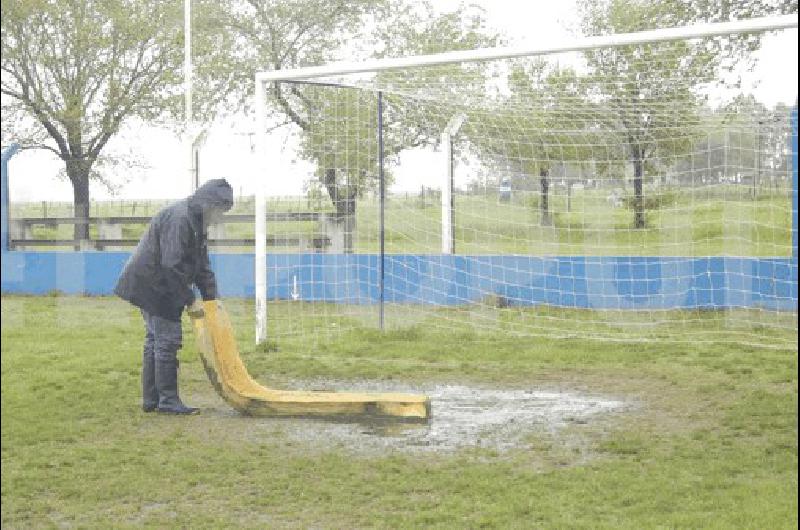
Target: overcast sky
{"x":227,"y":152}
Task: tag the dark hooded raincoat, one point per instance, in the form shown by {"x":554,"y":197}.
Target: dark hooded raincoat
{"x":173,"y":255}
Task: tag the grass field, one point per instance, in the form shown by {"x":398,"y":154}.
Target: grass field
{"x":711,"y":221}
{"x":712,"y":442}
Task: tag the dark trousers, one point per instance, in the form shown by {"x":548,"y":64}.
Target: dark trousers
{"x":163,"y":339}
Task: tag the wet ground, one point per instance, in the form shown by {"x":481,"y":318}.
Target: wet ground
{"x":463,"y":417}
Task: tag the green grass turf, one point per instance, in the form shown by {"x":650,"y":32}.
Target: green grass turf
{"x":712,"y":442}
{"x":711,"y":221}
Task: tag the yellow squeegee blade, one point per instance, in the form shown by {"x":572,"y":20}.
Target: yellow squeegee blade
{"x":228,"y":374}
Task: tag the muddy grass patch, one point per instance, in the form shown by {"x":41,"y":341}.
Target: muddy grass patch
{"x":465,"y":417}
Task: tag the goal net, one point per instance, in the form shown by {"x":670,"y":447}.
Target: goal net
{"x":623,"y":188}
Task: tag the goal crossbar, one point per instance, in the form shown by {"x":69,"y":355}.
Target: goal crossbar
{"x":508,"y":52}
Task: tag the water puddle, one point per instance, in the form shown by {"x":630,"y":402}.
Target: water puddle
{"x":463,"y":417}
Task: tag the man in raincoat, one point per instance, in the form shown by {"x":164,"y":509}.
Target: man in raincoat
{"x":171,"y":257}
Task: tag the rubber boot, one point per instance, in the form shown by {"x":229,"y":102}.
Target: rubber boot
{"x":167,"y":385}
{"x":149,"y":392}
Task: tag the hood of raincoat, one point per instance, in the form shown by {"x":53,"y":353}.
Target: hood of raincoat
{"x":173,"y":255}
{"x":215,"y":193}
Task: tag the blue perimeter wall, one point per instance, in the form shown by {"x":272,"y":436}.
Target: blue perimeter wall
{"x":569,"y":281}
{"x":582,"y":282}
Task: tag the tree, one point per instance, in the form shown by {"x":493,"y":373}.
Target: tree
{"x":747,"y":135}
{"x":74,"y":71}
{"x":337,"y":126}
{"x":542,"y":123}
{"x":655,"y":90}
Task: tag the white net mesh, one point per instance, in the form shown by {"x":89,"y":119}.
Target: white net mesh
{"x":624,"y":193}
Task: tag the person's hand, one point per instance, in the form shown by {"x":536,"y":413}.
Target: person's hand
{"x":196,"y":310}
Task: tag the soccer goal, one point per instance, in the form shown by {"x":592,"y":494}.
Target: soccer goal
{"x":629,"y":187}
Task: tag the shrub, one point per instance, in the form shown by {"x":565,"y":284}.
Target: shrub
{"x":654,"y":200}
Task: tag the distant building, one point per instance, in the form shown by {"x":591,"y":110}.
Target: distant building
{"x":504,"y":190}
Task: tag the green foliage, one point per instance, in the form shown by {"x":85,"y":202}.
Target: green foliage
{"x":646,"y":79}
{"x":75,"y":72}
{"x":342,"y":136}
{"x":268,"y":346}
{"x":80,"y":69}
{"x":525,"y":129}
{"x":338,"y":127}
{"x":654,"y":101}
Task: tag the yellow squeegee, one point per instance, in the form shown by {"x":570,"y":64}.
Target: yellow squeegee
{"x":225,"y":369}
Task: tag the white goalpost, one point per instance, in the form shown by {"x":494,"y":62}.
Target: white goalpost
{"x":637,"y":200}
{"x":488,"y":54}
